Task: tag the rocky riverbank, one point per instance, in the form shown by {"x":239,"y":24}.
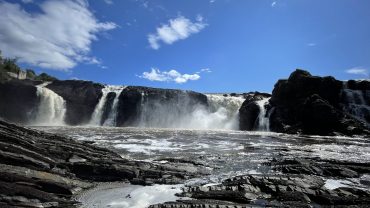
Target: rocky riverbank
{"x":41,"y":169}
{"x":38,"y":169}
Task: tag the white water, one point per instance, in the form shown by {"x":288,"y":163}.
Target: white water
{"x":96,"y":117}
{"x":111,"y":120}
{"x":128,"y":196}
{"x":263,"y":117}
{"x":222,"y":113}
{"x":356,"y":104}
{"x":98,"y":111}
{"x":52,"y":108}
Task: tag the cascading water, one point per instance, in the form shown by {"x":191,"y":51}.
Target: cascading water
{"x":52,"y":107}
{"x":355,"y":104}
{"x":111,"y":120}
{"x":221,"y":113}
{"x":97,"y":116}
{"x":263,"y":116}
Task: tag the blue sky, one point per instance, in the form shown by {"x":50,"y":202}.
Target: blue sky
{"x":201,"y":45}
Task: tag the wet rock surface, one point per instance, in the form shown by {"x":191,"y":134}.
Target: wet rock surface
{"x":248,"y":112}
{"x":290,"y":190}
{"x":39,"y":169}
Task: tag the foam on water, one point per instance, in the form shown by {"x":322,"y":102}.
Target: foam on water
{"x":128,"y":196}
{"x":147,"y":146}
{"x":333,"y":184}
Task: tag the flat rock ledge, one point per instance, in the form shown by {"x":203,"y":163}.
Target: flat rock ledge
{"x":39,"y":169}
{"x":271,"y":191}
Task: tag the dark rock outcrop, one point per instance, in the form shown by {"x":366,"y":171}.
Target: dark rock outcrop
{"x":310,"y":104}
{"x":318,"y":167}
{"x":249,"y":111}
{"x":134,"y":99}
{"x":18,"y":100}
{"x":38,"y":169}
{"x":271,"y":191}
{"x":81,"y":98}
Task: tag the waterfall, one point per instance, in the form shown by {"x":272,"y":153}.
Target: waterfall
{"x":221,"y":113}
{"x":263,"y":116}
{"x":355,"y":104}
{"x":111,"y":120}
{"x":97,"y":116}
{"x":51,"y":109}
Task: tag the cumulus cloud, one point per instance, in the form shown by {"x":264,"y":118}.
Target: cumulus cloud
{"x":311,"y":44}
{"x":171,"y":76}
{"x":358,"y":71}
{"x":177,"y":29}
{"x":59,"y":37}
{"x":273,"y":4}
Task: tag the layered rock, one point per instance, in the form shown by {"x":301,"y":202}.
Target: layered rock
{"x":38,"y":169}
{"x":311,"y":105}
{"x":271,"y":191}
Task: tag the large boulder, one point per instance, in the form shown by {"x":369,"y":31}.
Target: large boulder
{"x":81,"y":98}
{"x":249,"y":111}
{"x":312,"y":105}
{"x":319,"y":117}
{"x":135,"y":102}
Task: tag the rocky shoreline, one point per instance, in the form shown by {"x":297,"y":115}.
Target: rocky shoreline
{"x":45,"y":170}
{"x":40,"y":169}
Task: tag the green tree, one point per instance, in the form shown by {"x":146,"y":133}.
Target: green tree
{"x":30,"y":74}
{"x":45,"y":77}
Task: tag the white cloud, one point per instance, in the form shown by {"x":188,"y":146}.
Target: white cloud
{"x":59,"y":37}
{"x":273,"y":4}
{"x":358,"y":71}
{"x":205,"y":70}
{"x":177,"y":29}
{"x":27,"y":1}
{"x":311,"y":44}
{"x":212,"y":1}
{"x":171,"y":76}
{"x":108,"y":1}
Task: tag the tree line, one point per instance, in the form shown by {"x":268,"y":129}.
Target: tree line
{"x":10,"y":65}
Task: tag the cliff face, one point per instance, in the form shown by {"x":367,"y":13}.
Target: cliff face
{"x":81,"y":98}
{"x":311,"y":105}
{"x":300,"y":104}
{"x":135,"y":100}
{"x":249,"y":111}
{"x":18,"y":100}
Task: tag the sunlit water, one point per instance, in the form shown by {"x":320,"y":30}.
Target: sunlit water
{"x":224,"y":153}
